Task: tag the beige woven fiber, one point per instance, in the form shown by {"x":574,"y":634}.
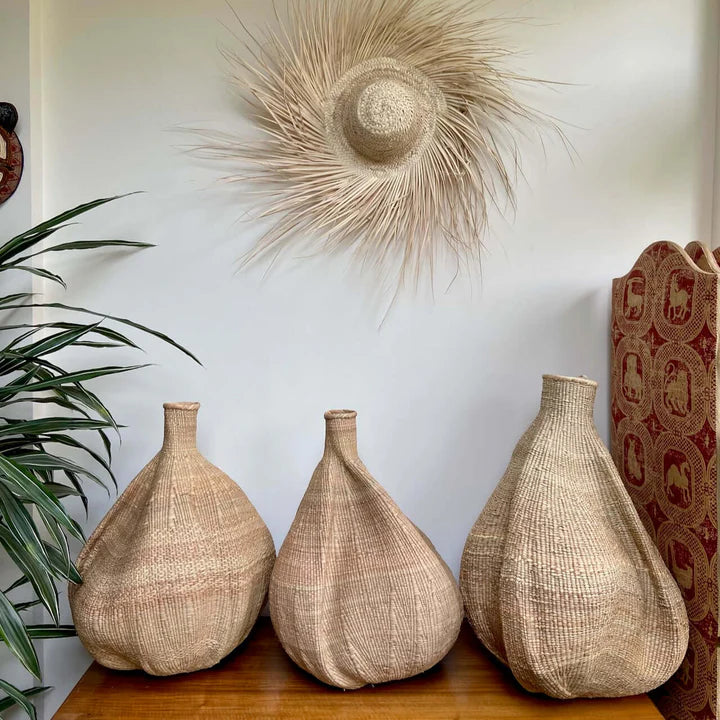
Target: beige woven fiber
{"x":176,"y":573}
{"x":391,"y":129}
{"x":381,"y":115}
{"x":358,"y":594}
{"x":560,"y":579}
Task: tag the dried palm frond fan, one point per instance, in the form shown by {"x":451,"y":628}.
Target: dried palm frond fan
{"x":389,"y":127}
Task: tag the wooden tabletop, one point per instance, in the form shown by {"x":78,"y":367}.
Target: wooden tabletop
{"x":259,"y":682}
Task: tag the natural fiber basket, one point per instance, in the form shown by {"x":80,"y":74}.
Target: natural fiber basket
{"x":559,"y":578}
{"x":358,"y":594}
{"x":176,"y":573}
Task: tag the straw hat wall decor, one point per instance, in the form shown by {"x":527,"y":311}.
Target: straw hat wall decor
{"x":387,"y":126}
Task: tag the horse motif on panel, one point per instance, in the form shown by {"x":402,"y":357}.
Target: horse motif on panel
{"x":663,"y":434}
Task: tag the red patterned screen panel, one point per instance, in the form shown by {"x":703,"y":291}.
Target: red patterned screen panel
{"x":663,"y":436}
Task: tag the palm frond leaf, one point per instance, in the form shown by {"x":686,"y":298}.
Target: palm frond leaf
{"x":15,"y":696}
{"x":35,"y":476}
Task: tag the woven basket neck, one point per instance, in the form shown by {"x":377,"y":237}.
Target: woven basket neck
{"x":180,"y":426}
{"x":341,"y":433}
{"x":568,"y":398}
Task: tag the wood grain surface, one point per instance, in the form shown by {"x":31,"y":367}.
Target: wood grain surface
{"x":259,"y":682}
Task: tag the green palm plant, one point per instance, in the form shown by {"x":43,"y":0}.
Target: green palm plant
{"x":34,"y":524}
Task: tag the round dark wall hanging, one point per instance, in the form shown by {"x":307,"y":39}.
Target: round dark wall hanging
{"x":11,"y":152}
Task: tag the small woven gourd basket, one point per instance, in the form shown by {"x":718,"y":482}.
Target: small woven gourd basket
{"x":358,"y":594}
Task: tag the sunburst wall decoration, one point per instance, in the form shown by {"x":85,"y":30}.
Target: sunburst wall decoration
{"x":388,"y":126}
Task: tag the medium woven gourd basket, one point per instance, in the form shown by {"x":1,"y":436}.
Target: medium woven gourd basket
{"x":176,"y":573}
{"x":559,"y":578}
{"x":358,"y":594}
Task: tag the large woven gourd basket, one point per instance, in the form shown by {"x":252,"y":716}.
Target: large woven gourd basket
{"x":560,"y":580}
{"x":358,"y":594}
{"x":176,"y":573}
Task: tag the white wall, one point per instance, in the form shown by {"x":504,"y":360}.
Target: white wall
{"x":445,"y":388}
{"x":15,"y":216}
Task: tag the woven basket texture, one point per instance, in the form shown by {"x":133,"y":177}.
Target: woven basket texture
{"x":358,"y":594}
{"x":176,"y":573}
{"x":559,"y":578}
{"x":381,"y":115}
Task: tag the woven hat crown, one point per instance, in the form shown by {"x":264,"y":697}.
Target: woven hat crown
{"x":383,"y":119}
{"x":381,"y":114}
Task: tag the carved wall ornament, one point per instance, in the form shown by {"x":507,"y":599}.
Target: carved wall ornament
{"x":11,"y":152}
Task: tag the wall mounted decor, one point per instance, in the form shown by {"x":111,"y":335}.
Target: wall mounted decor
{"x":11,"y":152}
{"x":664,"y":440}
{"x":560,"y":580}
{"x":385,"y":127}
{"x":358,"y":594}
{"x":176,"y":573}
